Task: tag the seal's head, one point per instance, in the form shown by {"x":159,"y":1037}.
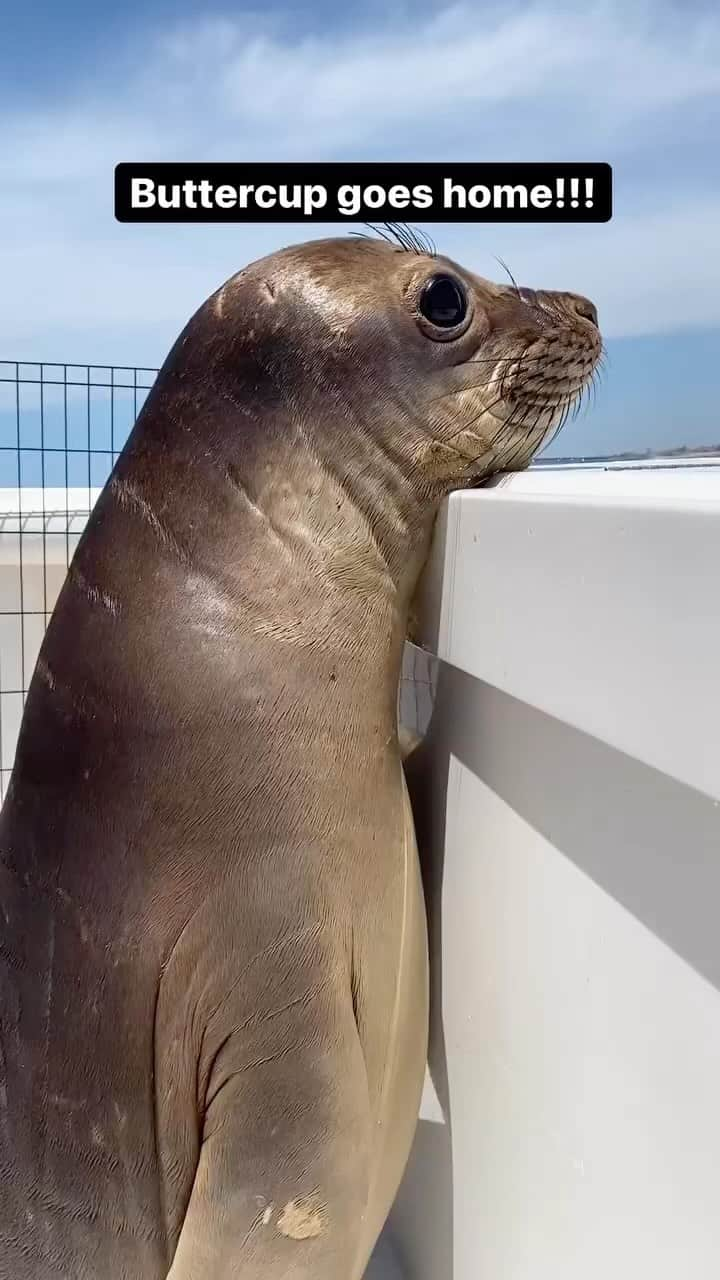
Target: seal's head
{"x":466,"y":376}
{"x":319,"y":406}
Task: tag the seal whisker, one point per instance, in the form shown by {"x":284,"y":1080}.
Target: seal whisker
{"x":402,"y":233}
{"x":553,"y":435}
{"x":560,"y":424}
{"x":488,"y":408}
{"x":475,"y":386}
{"x":383,"y":235}
{"x":419,"y":240}
{"x":494,"y":439}
{"x":506,"y":268}
{"x":518,"y":360}
{"x":577,"y":406}
{"x":408,"y":238}
{"x":492,"y":444}
{"x":505,"y":424}
{"x":563,"y":409}
{"x":522,"y":440}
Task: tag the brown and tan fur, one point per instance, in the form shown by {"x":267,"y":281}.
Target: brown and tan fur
{"x":213,"y":969}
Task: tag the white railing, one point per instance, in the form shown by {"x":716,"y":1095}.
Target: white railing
{"x":570,"y":787}
{"x":39,"y":530}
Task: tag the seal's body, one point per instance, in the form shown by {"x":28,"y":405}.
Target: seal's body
{"x":213,"y":971}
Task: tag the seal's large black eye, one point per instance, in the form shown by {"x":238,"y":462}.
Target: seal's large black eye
{"x":443,"y":302}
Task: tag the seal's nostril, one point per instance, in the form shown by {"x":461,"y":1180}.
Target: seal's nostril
{"x":585,"y":308}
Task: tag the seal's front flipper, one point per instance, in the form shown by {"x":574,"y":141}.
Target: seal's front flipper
{"x":281,"y":1185}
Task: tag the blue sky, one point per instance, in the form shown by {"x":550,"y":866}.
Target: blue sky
{"x":83,"y":85}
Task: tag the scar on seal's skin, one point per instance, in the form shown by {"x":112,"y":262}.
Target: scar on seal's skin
{"x":129,"y":496}
{"x":94,"y":594}
{"x":303,"y":1218}
{"x":219,"y":303}
{"x":45,"y":673}
{"x":235,"y":479}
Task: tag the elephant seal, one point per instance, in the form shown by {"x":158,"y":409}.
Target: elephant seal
{"x":213,"y":996}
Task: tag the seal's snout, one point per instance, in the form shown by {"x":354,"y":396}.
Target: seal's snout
{"x":582,"y":307}
{"x":536,"y":357}
{"x":573,"y":304}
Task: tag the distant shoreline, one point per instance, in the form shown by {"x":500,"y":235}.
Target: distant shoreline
{"x":636,"y":455}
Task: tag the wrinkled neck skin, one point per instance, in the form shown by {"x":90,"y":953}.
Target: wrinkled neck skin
{"x":295,"y":538}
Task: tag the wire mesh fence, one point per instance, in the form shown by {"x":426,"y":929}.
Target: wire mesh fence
{"x":61,"y":429}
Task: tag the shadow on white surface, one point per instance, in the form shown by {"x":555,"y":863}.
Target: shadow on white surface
{"x":384,"y":1264}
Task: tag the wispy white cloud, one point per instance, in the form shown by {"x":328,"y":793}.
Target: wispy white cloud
{"x":618,"y":82}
